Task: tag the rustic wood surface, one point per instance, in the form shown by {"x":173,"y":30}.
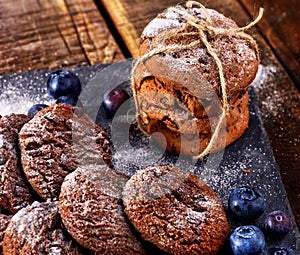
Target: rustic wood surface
{"x":53,"y":33}
{"x":130,"y":18}
{"x":280,"y":26}
{"x":63,"y":33}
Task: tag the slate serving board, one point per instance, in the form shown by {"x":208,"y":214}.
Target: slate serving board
{"x":133,"y":150}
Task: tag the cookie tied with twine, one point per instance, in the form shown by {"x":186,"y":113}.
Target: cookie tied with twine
{"x":191,"y":80}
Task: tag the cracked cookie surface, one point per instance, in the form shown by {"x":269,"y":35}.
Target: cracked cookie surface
{"x":92,"y":212}
{"x":4,"y":221}
{"x":15,"y":191}
{"x":55,"y":142}
{"x":176,"y":211}
{"x":36,"y":229}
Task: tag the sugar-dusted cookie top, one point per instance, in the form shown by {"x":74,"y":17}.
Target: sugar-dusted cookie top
{"x":91,"y":209}
{"x":55,"y":142}
{"x":36,"y":229}
{"x":176,"y":211}
{"x":188,"y":61}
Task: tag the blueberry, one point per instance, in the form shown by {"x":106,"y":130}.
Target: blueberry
{"x":68,"y":99}
{"x":278,"y":223}
{"x":35,"y":109}
{"x":246,"y":203}
{"x":113,"y":99}
{"x":247,"y":240}
{"x":62,"y":83}
{"x":280,"y":250}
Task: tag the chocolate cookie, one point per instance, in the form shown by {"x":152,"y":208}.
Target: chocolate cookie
{"x":183,"y":136}
{"x":15,"y":191}
{"x":176,"y":211}
{"x":36,"y":229}
{"x":179,"y":89}
{"x":4,"y":221}
{"x":238,"y":55}
{"x":91,"y":210}
{"x":55,"y":142}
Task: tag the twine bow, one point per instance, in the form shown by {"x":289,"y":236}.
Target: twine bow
{"x":203,"y":29}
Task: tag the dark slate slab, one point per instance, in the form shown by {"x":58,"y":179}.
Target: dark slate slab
{"x":133,"y":150}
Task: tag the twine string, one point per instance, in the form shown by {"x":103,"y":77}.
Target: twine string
{"x":204,"y":28}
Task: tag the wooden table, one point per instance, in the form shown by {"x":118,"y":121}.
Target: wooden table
{"x":39,"y":34}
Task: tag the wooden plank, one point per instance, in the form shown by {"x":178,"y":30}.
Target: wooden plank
{"x":280,"y":24}
{"x":130,"y":18}
{"x":53,"y":33}
{"x":277,"y":96}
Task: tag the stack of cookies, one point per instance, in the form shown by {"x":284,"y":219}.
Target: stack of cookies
{"x":185,"y":52}
{"x":61,"y":195}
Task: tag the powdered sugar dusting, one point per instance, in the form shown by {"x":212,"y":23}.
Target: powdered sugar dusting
{"x":185,"y":64}
{"x":159,"y":24}
{"x":128,"y":158}
{"x":17,"y":104}
{"x":194,"y":217}
{"x":171,"y":19}
{"x":162,"y":23}
{"x":19,"y":92}
{"x":263,"y":74}
{"x":264,"y":79}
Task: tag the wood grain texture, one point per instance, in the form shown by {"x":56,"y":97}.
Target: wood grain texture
{"x":280,"y":24}
{"x":277,"y":96}
{"x":53,"y":33}
{"x":130,"y":18}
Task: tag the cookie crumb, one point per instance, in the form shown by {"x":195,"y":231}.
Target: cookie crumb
{"x":246,"y":171}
